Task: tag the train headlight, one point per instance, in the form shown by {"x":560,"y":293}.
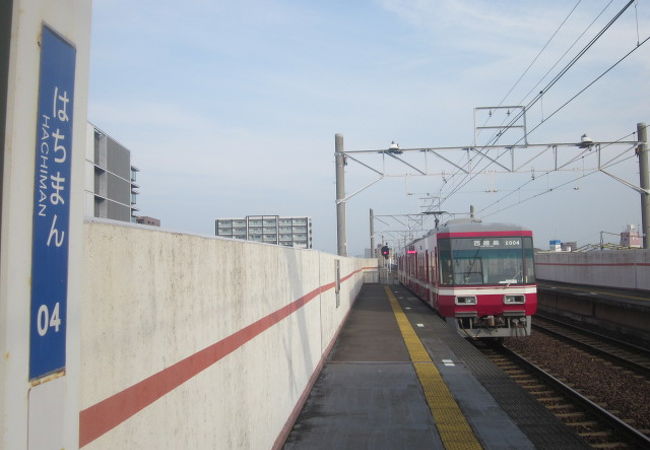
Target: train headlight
{"x":514,"y":299}
{"x":466,"y":300}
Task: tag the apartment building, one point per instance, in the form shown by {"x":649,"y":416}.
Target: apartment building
{"x":110,"y":178}
{"x":271,"y":229}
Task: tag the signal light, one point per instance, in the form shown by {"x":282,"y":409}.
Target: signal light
{"x":385,"y":251}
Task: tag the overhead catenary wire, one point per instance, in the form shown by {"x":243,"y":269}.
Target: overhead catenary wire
{"x":590,"y":84}
{"x":540,"y":52}
{"x":636,"y":15}
{"x":555,"y":187}
{"x":581,"y":155}
{"x":566,"y":68}
{"x":610,"y":163}
{"x":468,"y":178}
{"x":539,"y":96}
{"x":570,"y":64}
{"x":576,"y":40}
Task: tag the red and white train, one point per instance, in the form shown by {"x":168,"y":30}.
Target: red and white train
{"x":482,"y":275}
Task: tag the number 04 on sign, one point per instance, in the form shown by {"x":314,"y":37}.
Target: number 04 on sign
{"x":46,"y":319}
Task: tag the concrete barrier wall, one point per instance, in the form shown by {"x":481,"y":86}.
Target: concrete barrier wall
{"x":629,"y":269}
{"x":200,"y":342}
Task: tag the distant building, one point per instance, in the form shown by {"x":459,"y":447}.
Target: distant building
{"x":559,"y":246}
{"x":631,"y":237}
{"x":271,"y":229}
{"x":555,"y":245}
{"x":111,"y":188}
{"x":145,"y":220}
{"x":569,"y":246}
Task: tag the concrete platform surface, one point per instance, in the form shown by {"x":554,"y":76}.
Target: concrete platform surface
{"x":369,"y":395}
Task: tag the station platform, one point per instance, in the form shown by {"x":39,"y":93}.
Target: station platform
{"x":399,"y":378}
{"x":623,"y":312}
{"x":631,"y":298}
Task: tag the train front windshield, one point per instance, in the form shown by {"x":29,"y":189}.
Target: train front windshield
{"x":486,"y":261}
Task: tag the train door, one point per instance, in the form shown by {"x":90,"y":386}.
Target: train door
{"x":427,"y":276}
{"x":418,"y":273}
{"x":426,"y":267}
{"x":435,"y":281}
{"x":414,"y":271}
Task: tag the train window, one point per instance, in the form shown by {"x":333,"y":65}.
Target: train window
{"x":529,"y":261}
{"x":486,"y":261}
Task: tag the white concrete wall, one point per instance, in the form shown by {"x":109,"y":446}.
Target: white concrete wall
{"x":154,"y":298}
{"x":628,"y":269}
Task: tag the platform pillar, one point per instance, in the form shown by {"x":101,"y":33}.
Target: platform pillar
{"x":44,"y":60}
{"x":642,"y":152}
{"x":341,"y":239}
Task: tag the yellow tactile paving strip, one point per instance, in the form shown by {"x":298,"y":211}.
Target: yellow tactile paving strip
{"x":454,"y":430}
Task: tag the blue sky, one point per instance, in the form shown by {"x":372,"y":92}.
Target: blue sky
{"x":230,"y":108}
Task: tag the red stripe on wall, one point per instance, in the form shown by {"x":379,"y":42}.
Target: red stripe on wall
{"x":594,"y":264}
{"x":100,"y":418}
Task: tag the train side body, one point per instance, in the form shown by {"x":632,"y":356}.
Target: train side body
{"x":481,"y":275}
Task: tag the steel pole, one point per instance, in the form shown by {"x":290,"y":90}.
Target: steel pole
{"x":372,"y":234}
{"x":642,"y":152}
{"x":341,"y":239}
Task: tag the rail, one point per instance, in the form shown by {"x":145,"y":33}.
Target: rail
{"x":619,"y":352}
{"x":593,"y":423}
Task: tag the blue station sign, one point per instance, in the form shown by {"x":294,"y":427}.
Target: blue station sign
{"x":51,"y":217}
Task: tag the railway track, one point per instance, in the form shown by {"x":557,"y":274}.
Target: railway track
{"x":618,"y":352}
{"x":598,"y":427}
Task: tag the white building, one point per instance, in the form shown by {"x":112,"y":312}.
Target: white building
{"x":110,"y":179}
{"x":271,"y":229}
{"x":631,"y":237}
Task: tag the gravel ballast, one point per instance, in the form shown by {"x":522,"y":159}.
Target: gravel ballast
{"x":615,"y":388}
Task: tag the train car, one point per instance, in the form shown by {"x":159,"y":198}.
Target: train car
{"x":479,"y":275}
